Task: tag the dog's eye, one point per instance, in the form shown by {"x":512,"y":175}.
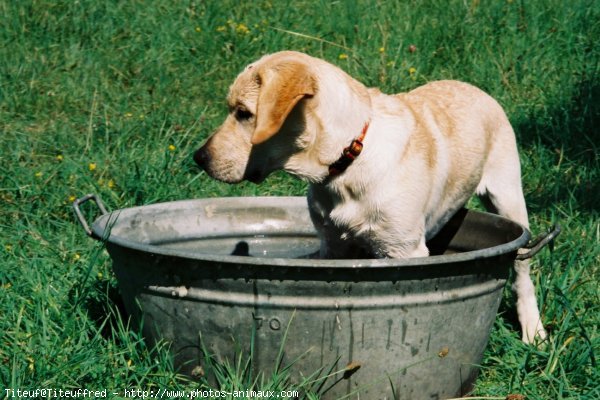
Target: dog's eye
{"x":241,"y":114}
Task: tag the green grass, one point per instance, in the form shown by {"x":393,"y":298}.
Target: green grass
{"x":112,"y":97}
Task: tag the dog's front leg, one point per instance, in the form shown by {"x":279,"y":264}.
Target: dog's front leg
{"x":409,"y":249}
{"x":335,"y":243}
{"x":404,"y":239}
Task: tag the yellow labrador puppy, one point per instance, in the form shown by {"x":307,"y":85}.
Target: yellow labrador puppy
{"x":386,"y":171}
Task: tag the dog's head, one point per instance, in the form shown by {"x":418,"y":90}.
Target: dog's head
{"x":274,"y":120}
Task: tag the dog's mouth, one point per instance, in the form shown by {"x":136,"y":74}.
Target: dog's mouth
{"x":254,"y":177}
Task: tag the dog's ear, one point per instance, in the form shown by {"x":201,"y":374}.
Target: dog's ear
{"x":281,"y":88}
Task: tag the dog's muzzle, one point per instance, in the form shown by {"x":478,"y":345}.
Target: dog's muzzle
{"x":204,"y":160}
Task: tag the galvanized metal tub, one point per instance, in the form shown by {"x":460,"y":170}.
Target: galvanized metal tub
{"x":223,"y":270}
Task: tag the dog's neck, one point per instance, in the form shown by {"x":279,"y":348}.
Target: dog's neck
{"x":344,"y":114}
{"x":349,"y":154}
{"x":335,"y":117}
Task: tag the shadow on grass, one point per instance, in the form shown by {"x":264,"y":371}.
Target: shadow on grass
{"x":570,"y":132}
{"x":106,"y":308}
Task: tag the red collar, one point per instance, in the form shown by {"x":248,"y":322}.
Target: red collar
{"x":348,"y":154}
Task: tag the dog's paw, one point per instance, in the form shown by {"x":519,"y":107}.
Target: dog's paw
{"x":534,"y":334}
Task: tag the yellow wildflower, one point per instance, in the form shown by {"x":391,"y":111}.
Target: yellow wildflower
{"x":72,"y":198}
{"x":59,"y":157}
{"x":172,"y":147}
{"x":198,"y":29}
{"x":110,"y":184}
{"x":128,"y":115}
{"x":343,"y":56}
{"x":76,"y":257}
{"x":242,"y":28}
{"x":382,"y":49}
{"x":100,"y":275}
{"x":412,"y":70}
{"x":92,"y":166}
{"x":38,"y":174}
{"x":8,"y":247}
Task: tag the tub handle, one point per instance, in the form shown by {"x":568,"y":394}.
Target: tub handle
{"x":80,"y":216}
{"x":535,"y":245}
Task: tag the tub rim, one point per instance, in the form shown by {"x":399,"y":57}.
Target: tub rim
{"x":99,"y":232}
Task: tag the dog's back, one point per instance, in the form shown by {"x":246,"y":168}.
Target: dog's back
{"x":470,"y":141}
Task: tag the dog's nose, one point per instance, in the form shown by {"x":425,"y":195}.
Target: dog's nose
{"x":202,"y":157}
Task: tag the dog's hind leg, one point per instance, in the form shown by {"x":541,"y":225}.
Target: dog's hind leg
{"x":501,"y":191}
